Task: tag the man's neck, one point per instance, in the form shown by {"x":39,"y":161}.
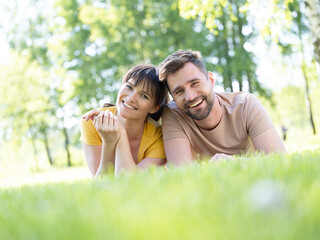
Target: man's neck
{"x":213,"y":118}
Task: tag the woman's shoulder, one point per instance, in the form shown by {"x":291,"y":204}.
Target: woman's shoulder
{"x":112,"y":109}
{"x":152,"y":127}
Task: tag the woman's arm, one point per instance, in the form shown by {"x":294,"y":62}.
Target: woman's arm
{"x":92,"y":154}
{"x":124,"y":161}
{"x":123,"y":156}
{"x":149,"y":162}
{"x":107,"y":126}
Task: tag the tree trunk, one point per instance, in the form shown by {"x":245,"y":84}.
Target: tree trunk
{"x":313,"y":14}
{"x":306,"y":79}
{"x":35,"y":153}
{"x":66,"y":145}
{"x":241,"y":44}
{"x":308,"y":99}
{"x":46,"y":143}
{"x":227,"y":80}
{"x":249,"y":82}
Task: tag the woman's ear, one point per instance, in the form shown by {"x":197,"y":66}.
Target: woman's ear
{"x":155,"y":109}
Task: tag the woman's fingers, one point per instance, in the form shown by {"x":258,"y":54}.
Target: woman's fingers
{"x":106,"y":121}
{"x":91,"y":114}
{"x":98,"y":121}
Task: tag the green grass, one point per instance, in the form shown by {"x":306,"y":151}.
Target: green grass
{"x":261,"y":197}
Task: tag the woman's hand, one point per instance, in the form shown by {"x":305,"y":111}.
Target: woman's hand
{"x":91,"y":114}
{"x":108,"y":127}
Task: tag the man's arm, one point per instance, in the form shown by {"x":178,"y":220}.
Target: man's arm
{"x":178,"y":151}
{"x":176,"y":144}
{"x":262,"y":132}
{"x":269,"y":141}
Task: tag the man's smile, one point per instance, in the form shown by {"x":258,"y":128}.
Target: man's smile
{"x":197,"y":103}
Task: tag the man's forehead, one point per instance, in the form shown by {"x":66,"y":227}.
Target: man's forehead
{"x":188,"y":73}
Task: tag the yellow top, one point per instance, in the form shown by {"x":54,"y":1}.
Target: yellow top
{"x":151,"y":144}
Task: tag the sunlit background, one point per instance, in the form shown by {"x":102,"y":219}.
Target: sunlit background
{"x":62,"y":58}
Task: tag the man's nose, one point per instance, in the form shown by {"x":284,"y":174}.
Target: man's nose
{"x":189,"y":94}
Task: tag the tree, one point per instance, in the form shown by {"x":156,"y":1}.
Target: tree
{"x":105,"y":38}
{"x":313,"y":14}
{"x":25,"y":103}
{"x":292,"y":39}
{"x":33,"y":35}
{"x":228,"y":20}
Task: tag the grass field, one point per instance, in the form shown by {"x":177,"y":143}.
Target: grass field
{"x":261,"y":197}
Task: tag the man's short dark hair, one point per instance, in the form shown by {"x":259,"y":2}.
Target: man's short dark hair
{"x":175,"y":61}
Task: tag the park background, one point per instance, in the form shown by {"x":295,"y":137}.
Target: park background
{"x":62,"y":58}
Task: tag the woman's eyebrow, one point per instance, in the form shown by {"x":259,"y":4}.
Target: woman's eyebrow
{"x":129,"y":83}
{"x":147,"y":93}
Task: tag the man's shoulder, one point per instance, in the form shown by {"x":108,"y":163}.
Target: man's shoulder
{"x":232,"y":101}
{"x":173,"y":110}
{"x":234,"y":98}
{"x":170,"y":108}
{"x":172,"y":105}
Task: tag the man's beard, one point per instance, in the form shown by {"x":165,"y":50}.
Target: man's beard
{"x":200,"y":114}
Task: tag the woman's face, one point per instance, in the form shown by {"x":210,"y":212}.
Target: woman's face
{"x":135,"y":102}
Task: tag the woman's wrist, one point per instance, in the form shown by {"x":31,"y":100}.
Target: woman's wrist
{"x":108,"y":143}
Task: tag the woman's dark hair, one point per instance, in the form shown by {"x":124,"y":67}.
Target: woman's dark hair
{"x":147,"y":74}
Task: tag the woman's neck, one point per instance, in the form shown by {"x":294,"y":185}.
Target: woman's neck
{"x":134,"y":128}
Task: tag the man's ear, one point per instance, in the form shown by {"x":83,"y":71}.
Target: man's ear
{"x":155,"y":109}
{"x":211,"y":79}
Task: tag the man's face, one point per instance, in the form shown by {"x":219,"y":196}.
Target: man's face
{"x":192,"y":91}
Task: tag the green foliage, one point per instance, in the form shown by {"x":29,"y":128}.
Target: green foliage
{"x":79,"y":50}
{"x":103,"y":39}
{"x":261,"y":197}
{"x":233,"y":36}
{"x":24,"y":99}
{"x":290,"y":107}
{"x":290,"y":16}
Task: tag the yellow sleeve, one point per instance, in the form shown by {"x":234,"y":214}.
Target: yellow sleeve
{"x":89,"y":135}
{"x":155,"y":149}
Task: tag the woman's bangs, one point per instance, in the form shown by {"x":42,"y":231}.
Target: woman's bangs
{"x":148,"y":84}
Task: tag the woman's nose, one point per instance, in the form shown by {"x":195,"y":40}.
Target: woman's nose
{"x":132,"y":97}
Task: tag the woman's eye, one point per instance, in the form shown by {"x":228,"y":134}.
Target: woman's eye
{"x":129,"y":87}
{"x":144,"y":96}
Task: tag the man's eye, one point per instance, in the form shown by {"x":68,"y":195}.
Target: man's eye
{"x":178,"y":92}
{"x":129,"y":87}
{"x":194,"y":84}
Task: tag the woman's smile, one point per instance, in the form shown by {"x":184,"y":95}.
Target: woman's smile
{"x":128,"y":105}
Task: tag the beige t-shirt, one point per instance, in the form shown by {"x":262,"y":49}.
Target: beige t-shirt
{"x":243,"y":117}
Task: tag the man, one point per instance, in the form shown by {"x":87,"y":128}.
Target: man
{"x":202,"y":123}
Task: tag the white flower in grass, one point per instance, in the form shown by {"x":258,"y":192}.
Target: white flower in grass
{"x":267,"y":194}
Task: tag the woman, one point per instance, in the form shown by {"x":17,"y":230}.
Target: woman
{"x":125,"y":136}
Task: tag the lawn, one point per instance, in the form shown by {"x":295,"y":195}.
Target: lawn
{"x":261,"y":197}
